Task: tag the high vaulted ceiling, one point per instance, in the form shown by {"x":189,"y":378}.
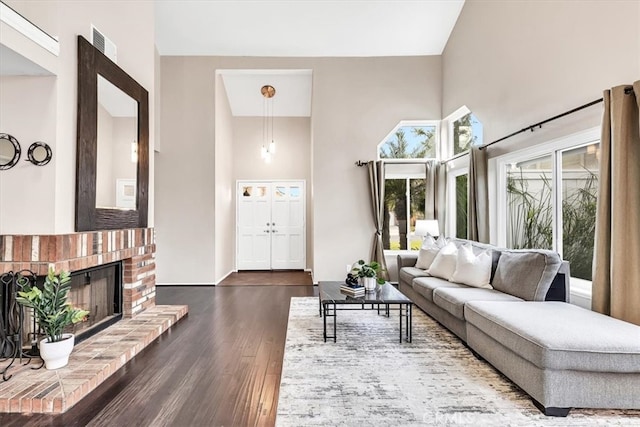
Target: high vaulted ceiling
{"x":304,"y":27}
{"x":298,"y":28}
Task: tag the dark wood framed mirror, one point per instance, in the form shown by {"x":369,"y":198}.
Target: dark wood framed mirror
{"x":91,"y":212}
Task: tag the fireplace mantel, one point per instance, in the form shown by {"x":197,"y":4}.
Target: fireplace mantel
{"x":135,"y":247}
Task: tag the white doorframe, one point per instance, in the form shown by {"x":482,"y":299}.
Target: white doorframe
{"x":283,"y":244}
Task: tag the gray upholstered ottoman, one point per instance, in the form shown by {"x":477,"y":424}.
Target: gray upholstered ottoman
{"x":563,"y":356}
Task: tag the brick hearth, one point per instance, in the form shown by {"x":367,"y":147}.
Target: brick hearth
{"x":76,"y":251}
{"x":95,"y":359}
{"x":91,"y":363}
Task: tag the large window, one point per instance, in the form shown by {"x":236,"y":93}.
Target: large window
{"x":466,"y":132}
{"x":529,"y":204}
{"x":549,"y":200}
{"x":405,"y":150}
{"x":461,"y":205}
{"x":410,"y":140}
{"x":394,"y":227}
{"x":404,"y":202}
{"x":579,"y":192}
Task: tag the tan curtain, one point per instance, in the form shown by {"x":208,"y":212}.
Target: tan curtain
{"x":435,"y":192}
{"x":376,"y":190}
{"x":478,"y":196}
{"x":616,"y":265}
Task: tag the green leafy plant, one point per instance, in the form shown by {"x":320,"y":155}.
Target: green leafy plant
{"x":579,"y":226}
{"x":53,"y":312}
{"x":531,"y":214}
{"x":362,"y":269}
{"x":531,"y":218}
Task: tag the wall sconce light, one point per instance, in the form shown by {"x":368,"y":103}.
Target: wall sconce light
{"x":134,"y":152}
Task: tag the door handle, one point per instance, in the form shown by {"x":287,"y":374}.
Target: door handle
{"x":266,"y":231}
{"x":275,"y":231}
{"x":273,"y":223}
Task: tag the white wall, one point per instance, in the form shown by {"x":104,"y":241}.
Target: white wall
{"x":356,"y":102}
{"x":291,"y":161}
{"x":225,"y":149}
{"x":515,"y":63}
{"x":518,"y":63}
{"x":185,"y":178}
{"x":131,"y":27}
{"x":104,"y":168}
{"x":125,"y":131}
{"x":29,"y":119}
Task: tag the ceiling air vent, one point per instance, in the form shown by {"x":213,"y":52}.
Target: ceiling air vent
{"x":103,"y":44}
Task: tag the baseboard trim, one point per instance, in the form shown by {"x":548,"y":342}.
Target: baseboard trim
{"x":185,"y":284}
{"x":225,"y":276}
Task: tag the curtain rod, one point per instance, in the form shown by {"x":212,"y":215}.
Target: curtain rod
{"x":627,"y":90}
{"x":539,"y":124}
{"x":360,"y":163}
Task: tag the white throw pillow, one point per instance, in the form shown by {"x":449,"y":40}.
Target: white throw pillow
{"x":428,"y":251}
{"x":471,"y":269}
{"x":444,"y":264}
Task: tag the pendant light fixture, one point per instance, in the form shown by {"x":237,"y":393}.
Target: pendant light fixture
{"x":268,"y":144}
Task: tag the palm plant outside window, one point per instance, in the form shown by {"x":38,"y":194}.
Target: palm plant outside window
{"x":531,"y":206}
{"x":405,"y":196}
{"x":467,"y":132}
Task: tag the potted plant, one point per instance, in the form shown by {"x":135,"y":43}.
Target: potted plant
{"x":53,"y":314}
{"x":368,"y":274}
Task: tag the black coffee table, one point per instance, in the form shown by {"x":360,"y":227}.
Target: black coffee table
{"x":383,"y":299}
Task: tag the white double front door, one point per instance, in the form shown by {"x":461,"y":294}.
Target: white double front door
{"x":271,"y":225}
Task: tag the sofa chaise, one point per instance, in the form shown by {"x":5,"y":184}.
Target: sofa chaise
{"x":562,"y":355}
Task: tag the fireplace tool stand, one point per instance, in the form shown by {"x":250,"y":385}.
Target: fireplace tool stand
{"x":12,"y":322}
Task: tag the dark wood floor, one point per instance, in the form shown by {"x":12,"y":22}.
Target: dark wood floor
{"x":219,"y":366}
{"x":263,"y":278}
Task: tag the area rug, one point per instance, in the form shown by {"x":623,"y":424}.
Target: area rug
{"x":367,"y":378}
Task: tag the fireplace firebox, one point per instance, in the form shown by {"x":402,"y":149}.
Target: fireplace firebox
{"x":99,"y":291}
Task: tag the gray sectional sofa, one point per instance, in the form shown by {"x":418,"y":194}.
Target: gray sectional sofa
{"x":563,"y":356}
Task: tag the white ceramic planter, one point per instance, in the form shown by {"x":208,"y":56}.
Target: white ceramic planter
{"x":56,"y":354}
{"x":369,"y":283}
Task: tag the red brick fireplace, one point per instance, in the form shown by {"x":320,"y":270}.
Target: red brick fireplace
{"x":135,"y":247}
{"x":101,"y":355}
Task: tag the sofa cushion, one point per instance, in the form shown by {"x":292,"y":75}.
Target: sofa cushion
{"x":428,"y":251}
{"x":526,"y":273}
{"x":444,"y":263}
{"x":471,"y":269}
{"x":407,"y":274}
{"x":481,"y":247}
{"x":425,"y":286}
{"x":557,"y":335}
{"x":453,"y":300}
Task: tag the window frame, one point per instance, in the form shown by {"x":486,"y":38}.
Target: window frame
{"x":452,"y":210}
{"x":554,"y":148}
{"x":408,"y":163}
{"x":414,"y":123}
{"x":447,"y":146}
{"x":408,"y":176}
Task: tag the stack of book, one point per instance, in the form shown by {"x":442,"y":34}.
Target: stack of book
{"x":354,"y":291}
